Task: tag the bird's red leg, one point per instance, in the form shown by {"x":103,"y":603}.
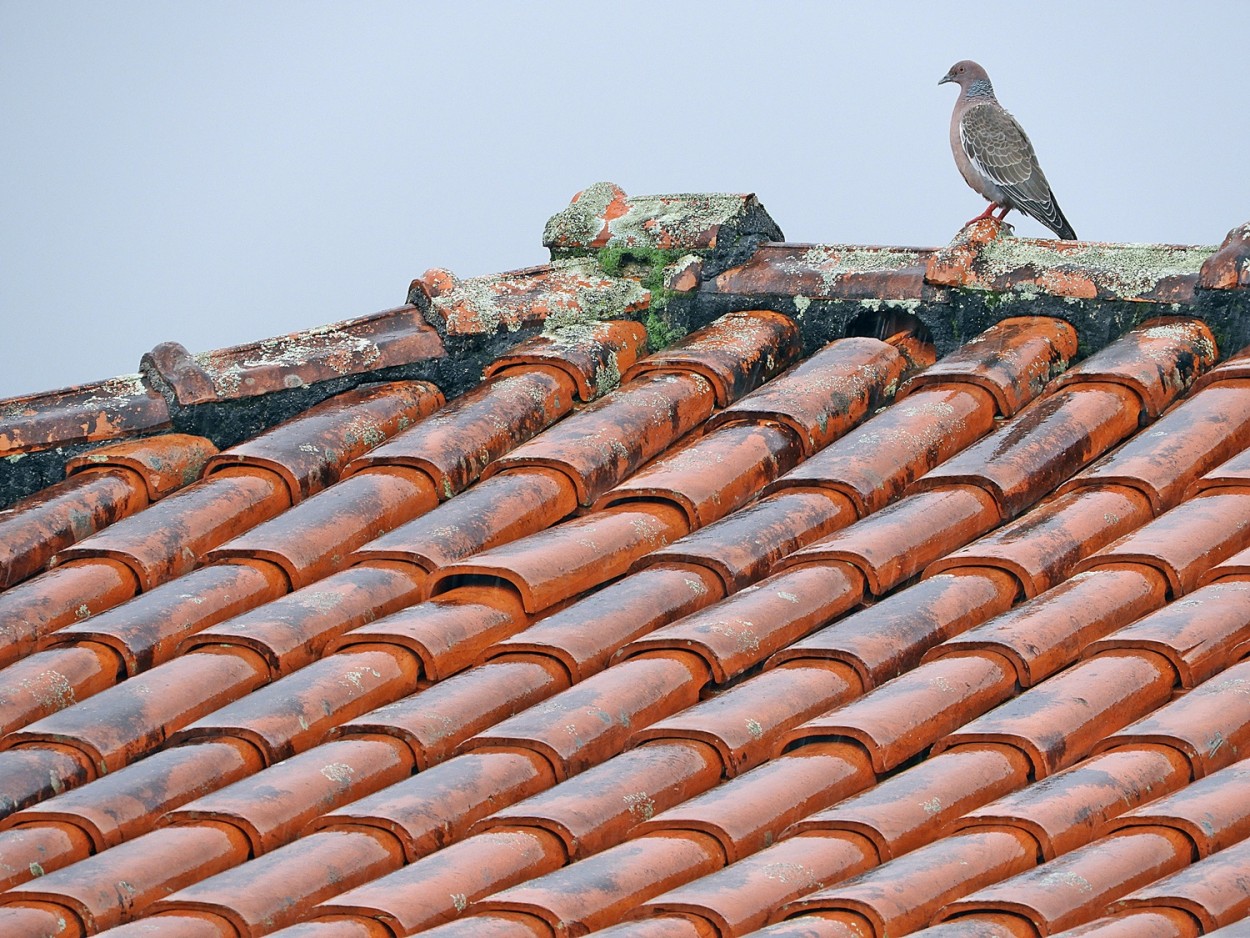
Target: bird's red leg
{"x":989,"y":211}
{"x":1006,"y":209}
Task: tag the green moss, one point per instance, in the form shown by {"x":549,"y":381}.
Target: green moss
{"x":643,"y":264}
{"x":660,"y":332}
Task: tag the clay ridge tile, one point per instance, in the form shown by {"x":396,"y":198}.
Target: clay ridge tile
{"x":828,"y":271}
{"x":105,"y":410}
{"x":354,"y":346}
{"x":1229,"y":266}
{"x":602,"y":215}
{"x":562,"y":290}
{"x":984,"y":257}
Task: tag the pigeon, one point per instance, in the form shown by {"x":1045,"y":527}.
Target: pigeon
{"x":994,"y":155}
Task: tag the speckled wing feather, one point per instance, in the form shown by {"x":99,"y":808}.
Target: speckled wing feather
{"x":998,"y":147}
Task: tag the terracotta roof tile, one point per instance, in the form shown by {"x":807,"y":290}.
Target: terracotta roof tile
{"x":735,"y":355}
{"x":727,"y":648}
{"x":48,"y":521}
{"x":1214,"y":890}
{"x":1042,"y":637}
{"x":907,"y":809}
{"x":1013,"y":360}
{"x":622,"y":611}
{"x":310,"y":453}
{"x":570,"y":731}
{"x":1070,"y":808}
{"x":464,"y":871}
{"x":593,"y":354}
{"x":1080,"y":884}
{"x":1210,"y":725}
{"x":1185,"y":541}
{"x":887,"y":638}
{"x":124,"y":804}
{"x":825,"y":395}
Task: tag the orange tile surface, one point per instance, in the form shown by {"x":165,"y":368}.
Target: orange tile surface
{"x":760,"y":633}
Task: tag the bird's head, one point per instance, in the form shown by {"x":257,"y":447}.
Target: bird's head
{"x":966,"y":74}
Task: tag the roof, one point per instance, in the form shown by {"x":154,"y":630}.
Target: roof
{"x":695,"y":584}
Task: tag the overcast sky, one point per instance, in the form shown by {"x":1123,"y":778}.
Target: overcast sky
{"x":218,"y":172}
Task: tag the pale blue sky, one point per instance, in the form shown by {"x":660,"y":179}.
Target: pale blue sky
{"x":218,"y":172}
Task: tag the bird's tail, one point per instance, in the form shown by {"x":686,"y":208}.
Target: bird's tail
{"x":1056,"y":222}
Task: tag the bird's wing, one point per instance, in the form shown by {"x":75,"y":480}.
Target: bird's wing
{"x":999,"y":148}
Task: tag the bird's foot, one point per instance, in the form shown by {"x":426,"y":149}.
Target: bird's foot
{"x":988,"y":213}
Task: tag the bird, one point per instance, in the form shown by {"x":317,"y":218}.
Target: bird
{"x":994,"y":154}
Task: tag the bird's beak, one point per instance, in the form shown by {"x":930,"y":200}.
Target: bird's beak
{"x":945,"y":78}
